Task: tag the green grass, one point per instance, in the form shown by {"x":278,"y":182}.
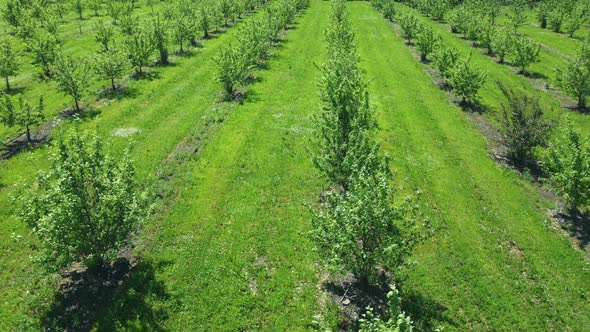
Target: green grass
{"x":496,"y":264}
{"x":235,"y":241}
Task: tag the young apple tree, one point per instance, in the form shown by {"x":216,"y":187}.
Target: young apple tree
{"x":445,"y":59}
{"x":9,"y":62}
{"x":72,"y":77}
{"x":410,"y":26}
{"x":526,"y":52}
{"x":85,"y":207}
{"x":232,"y":69}
{"x":427,"y":41}
{"x":567,"y":162}
{"x":467,"y":79}
{"x":111,"y":65}
{"x":22,"y":115}
{"x":139,"y":48}
{"x":574,"y":79}
{"x":105,"y":34}
{"x":502,"y":43}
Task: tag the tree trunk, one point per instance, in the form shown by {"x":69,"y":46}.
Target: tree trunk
{"x":28,"y":134}
{"x":113,"y":84}
{"x":543,"y":24}
{"x":7,"y":84}
{"x":502,"y":59}
{"x":77,"y":104}
{"x":423,"y":57}
{"x":582,"y":102}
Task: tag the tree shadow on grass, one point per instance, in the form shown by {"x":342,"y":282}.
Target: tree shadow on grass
{"x":21,"y":145}
{"x":352,"y":299}
{"x":13,"y":91}
{"x":473,"y":106}
{"x":577,"y":224}
{"x":116,"y":298}
{"x":123,"y":92}
{"x":426,"y":313}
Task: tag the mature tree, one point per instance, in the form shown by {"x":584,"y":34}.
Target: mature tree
{"x":105,"y":35}
{"x":567,"y":162}
{"x":86,"y":206}
{"x":574,"y":79}
{"x":523,"y":126}
{"x":427,"y":41}
{"x":72,"y":77}
{"x":467,"y":79}
{"x":410,"y":26}
{"x":139,"y":48}
{"x":111,"y":65}
{"x":23,"y":114}
{"x":445,"y":59}
{"x":9,"y":62}
{"x":44,"y":48}
{"x":502,"y":43}
{"x":526,"y":52}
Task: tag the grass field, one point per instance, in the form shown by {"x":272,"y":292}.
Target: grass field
{"x":228,"y":247}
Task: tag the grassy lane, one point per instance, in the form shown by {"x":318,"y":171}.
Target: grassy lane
{"x":234,"y":247}
{"x":165,"y":111}
{"x":496,"y":264}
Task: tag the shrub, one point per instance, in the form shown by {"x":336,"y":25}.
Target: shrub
{"x":567,"y":162}
{"x":502,"y":43}
{"x":467,"y":79}
{"x":523,"y":126}
{"x":426,"y":42}
{"x":445,"y":59}
{"x":526,"y":52}
{"x":86,"y":206}
{"x":410,"y":26}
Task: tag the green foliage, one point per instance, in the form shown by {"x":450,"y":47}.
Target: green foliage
{"x":398,"y":321}
{"x":574,"y":21}
{"x":502,"y":43}
{"x":427,"y":41}
{"x":574,"y":79}
{"x":388,"y":10}
{"x":526,"y":52}
{"x":524,"y":127}
{"x":111,"y":65}
{"x":86,"y":206}
{"x":232,"y":68}
{"x":9,"y":62}
{"x":445,"y":59}
{"x":542,"y":11}
{"x":356,"y":229}
{"x":567,"y":162}
{"x":160,"y":37}
{"x":72,"y":77}
{"x":104,"y":35}
{"x":467,"y":79}
{"x":22,"y":115}
{"x":139,"y":48}
{"x":410,"y":26}
{"x":517,"y":14}
{"x":44,"y":48}
{"x":78,"y":6}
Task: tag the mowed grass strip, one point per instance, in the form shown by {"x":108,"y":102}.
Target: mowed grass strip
{"x":496,"y":264}
{"x":164,"y":111}
{"x":234,"y":249}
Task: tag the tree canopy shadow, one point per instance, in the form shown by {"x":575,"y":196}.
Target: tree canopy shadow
{"x":117,"y":297}
{"x":122,"y":92}
{"x":577,"y":224}
{"x":473,"y":106}
{"x":425,"y":312}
